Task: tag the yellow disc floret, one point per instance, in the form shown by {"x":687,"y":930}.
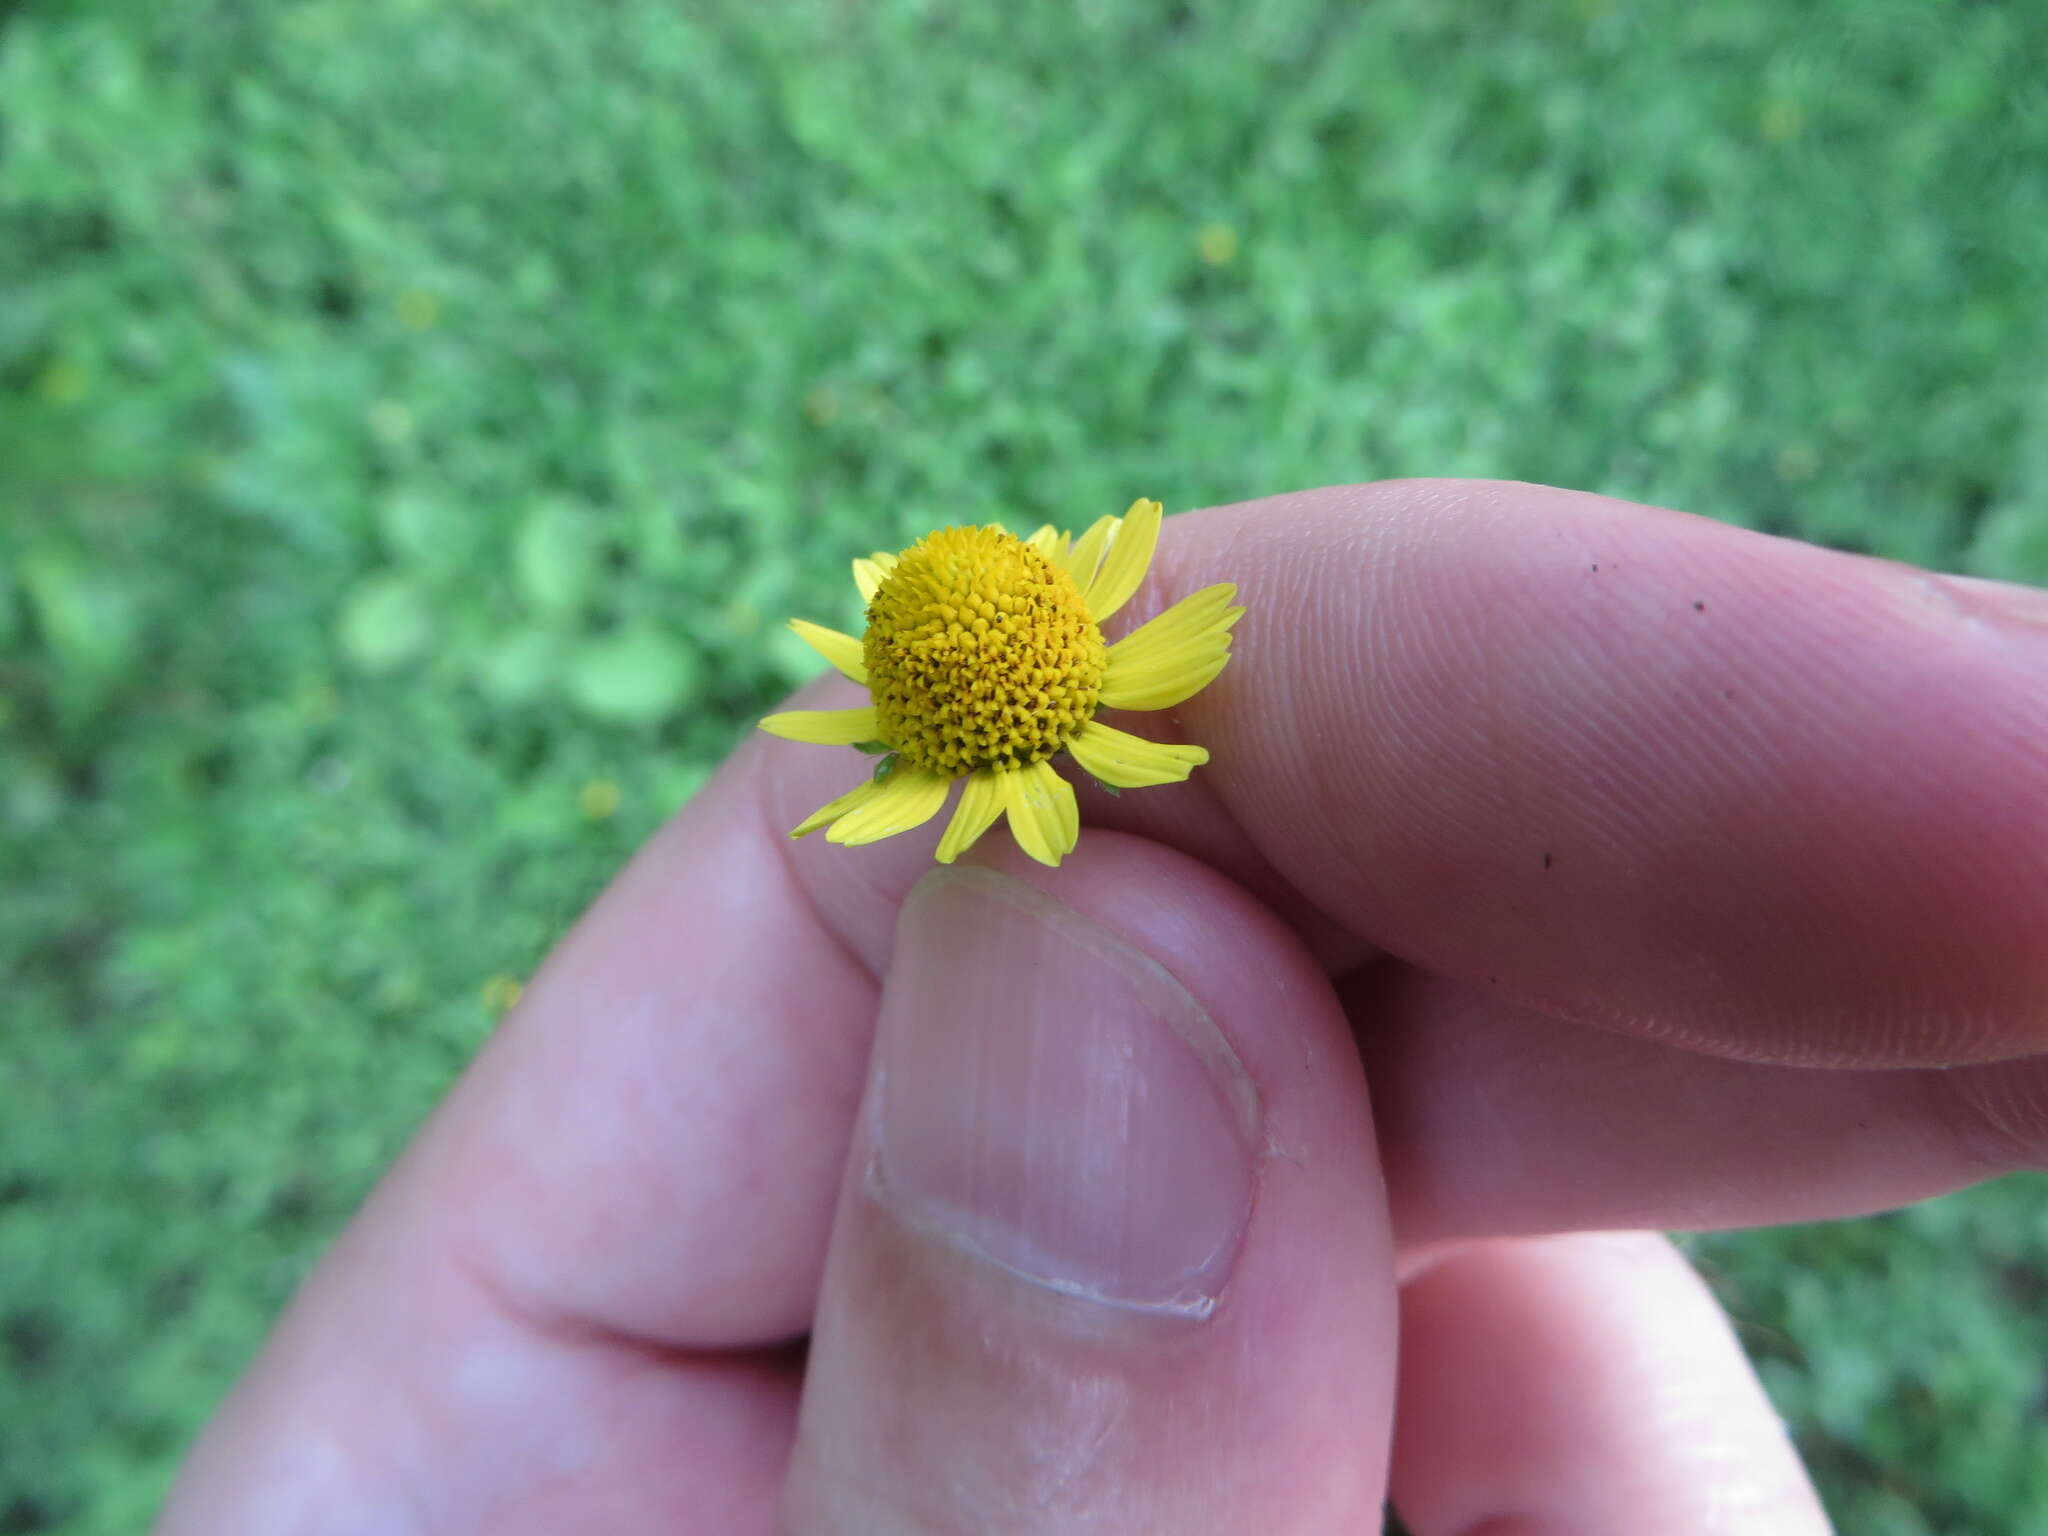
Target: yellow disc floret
{"x":980,"y":653}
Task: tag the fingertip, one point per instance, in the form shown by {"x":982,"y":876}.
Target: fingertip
{"x":1114,"y":1151}
{"x":1644,"y":768}
{"x":1587,"y":1383}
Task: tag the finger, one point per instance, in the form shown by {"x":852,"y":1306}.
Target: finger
{"x":1587,"y":1385}
{"x":1636,"y":767}
{"x":1495,"y":1120}
{"x":1110,"y":1253}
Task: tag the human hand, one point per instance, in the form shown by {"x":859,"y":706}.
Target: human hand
{"x":1655,"y":869}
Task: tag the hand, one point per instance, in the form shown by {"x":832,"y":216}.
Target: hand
{"x":1652,"y":867}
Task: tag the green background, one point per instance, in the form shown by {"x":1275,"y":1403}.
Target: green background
{"x":416,"y":416}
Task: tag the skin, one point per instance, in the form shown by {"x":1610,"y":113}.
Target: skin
{"x":1654,"y":872}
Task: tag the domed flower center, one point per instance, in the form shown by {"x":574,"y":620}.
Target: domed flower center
{"x":980,"y":653}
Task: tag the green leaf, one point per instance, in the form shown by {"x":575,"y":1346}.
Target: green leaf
{"x":2011,"y":544}
{"x":872,"y":748}
{"x":521,"y":666}
{"x":635,"y":677}
{"x":419,"y":529}
{"x":557,"y":554}
{"x":385,"y":622}
{"x":86,"y":619}
{"x":884,"y":767}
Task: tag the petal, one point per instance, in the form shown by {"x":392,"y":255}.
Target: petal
{"x":1049,"y":542}
{"x":1087,"y":554}
{"x":902,"y":802}
{"x":1173,"y":656}
{"x":1124,"y":566}
{"x":842,"y":650}
{"x":832,"y":810}
{"x":981,"y":802}
{"x":825,"y":727}
{"x":1195,"y":620}
{"x":1159,"y":687}
{"x":869,"y":573}
{"x":1044,"y":816}
{"x":1131,"y":762}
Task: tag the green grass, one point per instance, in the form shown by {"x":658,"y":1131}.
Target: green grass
{"x":412,"y":411}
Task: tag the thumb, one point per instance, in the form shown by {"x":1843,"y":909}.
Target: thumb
{"x":1112,"y":1251}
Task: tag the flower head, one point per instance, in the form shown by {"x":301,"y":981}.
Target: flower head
{"x":984,"y":657}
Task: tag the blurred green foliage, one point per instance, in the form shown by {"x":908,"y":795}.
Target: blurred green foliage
{"x":415,"y":415}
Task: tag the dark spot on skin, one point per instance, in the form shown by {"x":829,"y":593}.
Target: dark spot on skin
{"x":1727,"y":693}
{"x":1698,"y":606}
{"x":1546,"y":861}
{"x":1596,"y":565}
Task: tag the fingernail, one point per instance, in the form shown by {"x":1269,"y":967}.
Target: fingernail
{"x":1052,"y":1100}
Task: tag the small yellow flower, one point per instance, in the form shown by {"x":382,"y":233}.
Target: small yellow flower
{"x":984,"y":657}
{"x":418,"y":310}
{"x":1217,"y":245}
{"x":64,"y":382}
{"x":502,"y":993}
{"x":599,"y":799}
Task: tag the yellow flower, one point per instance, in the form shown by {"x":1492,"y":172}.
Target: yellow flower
{"x":984,"y":657}
{"x":600,"y":799}
{"x":502,"y":993}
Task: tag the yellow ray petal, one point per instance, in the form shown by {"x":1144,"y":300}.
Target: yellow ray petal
{"x":1050,"y":542}
{"x":832,"y":810}
{"x":904,"y":800}
{"x":1130,"y":762}
{"x":1044,"y":816}
{"x":869,"y":573}
{"x":1087,"y":553}
{"x":1200,"y":617}
{"x":825,"y":727}
{"x":981,"y":802}
{"x":1124,"y":566}
{"x":1175,"y":655}
{"x":1187,"y":623}
{"x":1160,"y":687}
{"x":842,"y":650}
